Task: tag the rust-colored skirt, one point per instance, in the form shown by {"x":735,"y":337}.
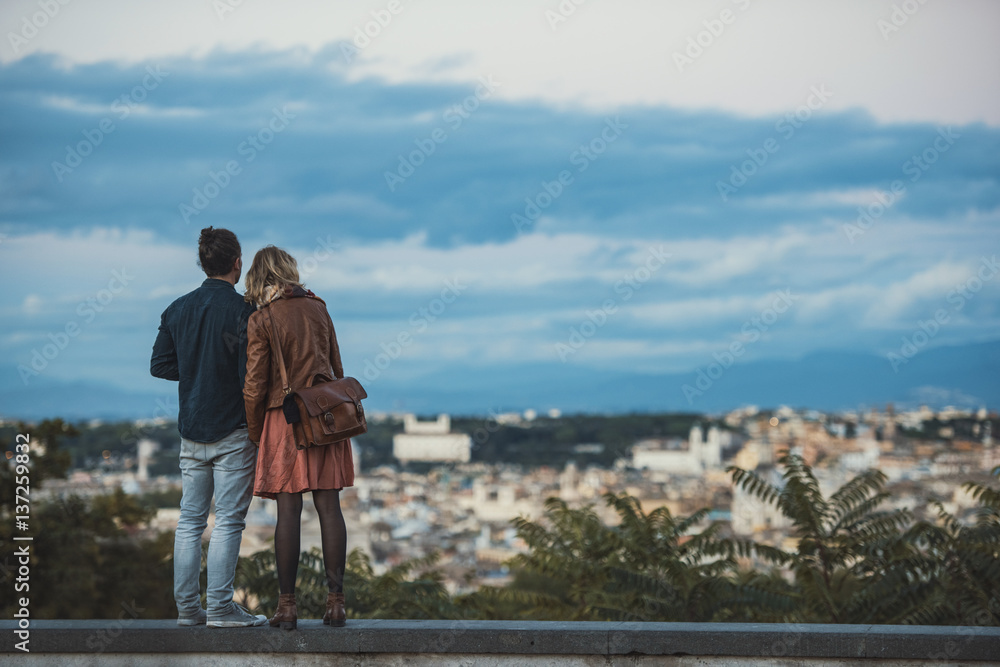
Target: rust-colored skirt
{"x":281,"y":468}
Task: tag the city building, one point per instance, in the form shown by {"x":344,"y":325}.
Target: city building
{"x":430,"y":441}
{"x":667,"y":455}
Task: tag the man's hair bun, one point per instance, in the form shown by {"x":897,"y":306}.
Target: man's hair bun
{"x":218,"y":250}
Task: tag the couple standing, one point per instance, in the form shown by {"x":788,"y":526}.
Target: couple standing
{"x":235,"y":442}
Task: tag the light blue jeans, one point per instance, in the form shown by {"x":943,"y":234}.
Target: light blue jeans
{"x":225,"y":468}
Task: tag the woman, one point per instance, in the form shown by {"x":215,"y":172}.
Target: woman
{"x":292,"y":317}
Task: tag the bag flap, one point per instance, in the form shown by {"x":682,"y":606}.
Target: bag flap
{"x":323,"y":397}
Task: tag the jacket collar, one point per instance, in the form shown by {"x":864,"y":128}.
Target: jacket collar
{"x":295,"y":291}
{"x":288,"y":292}
{"x":218,"y":282}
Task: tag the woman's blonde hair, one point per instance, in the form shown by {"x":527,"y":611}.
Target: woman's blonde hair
{"x":271,"y":266}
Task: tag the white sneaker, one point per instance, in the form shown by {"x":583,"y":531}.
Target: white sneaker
{"x":237,"y":618}
{"x":188,"y":621}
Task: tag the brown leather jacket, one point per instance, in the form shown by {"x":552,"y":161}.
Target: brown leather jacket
{"x":308,"y":345}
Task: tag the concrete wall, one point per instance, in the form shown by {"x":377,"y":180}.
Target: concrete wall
{"x":369,"y":642}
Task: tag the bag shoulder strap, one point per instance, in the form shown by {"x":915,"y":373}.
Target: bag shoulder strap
{"x":276,"y":346}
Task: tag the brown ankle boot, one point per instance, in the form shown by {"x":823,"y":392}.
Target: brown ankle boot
{"x":287,"y":614}
{"x":335,"y":614}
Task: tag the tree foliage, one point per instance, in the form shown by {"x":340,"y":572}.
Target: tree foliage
{"x":90,"y":558}
{"x":856,"y":563}
{"x":851,"y":560}
{"x":845,"y":543}
{"x":955,"y":578}
{"x":649,"y":567}
{"x":412,"y":589}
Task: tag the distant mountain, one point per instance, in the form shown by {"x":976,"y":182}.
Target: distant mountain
{"x":964,"y":376}
{"x":46,"y":397}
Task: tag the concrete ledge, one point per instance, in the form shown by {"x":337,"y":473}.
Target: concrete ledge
{"x":833,"y":643}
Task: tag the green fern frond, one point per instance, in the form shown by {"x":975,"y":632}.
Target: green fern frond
{"x":754,"y":484}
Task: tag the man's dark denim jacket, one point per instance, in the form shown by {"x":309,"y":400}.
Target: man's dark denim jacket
{"x":200,"y":344}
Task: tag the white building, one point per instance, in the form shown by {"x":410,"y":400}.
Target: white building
{"x":499,"y":501}
{"x":146,"y":449}
{"x":864,"y":456}
{"x":569,"y":482}
{"x":749,"y":514}
{"x":430,"y":441}
{"x":711,"y":449}
{"x":701,"y":454}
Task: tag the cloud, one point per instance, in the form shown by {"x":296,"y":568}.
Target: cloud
{"x":327,"y":168}
{"x":931,"y":285}
{"x":32,"y":304}
{"x":816,"y":200}
{"x":935,"y":67}
{"x":380,"y":255}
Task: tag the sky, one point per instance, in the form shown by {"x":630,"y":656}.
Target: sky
{"x":639,"y":186}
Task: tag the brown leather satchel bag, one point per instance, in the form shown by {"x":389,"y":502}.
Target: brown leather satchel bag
{"x":327,"y":412}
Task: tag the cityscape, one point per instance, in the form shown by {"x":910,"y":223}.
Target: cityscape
{"x":434,"y":485}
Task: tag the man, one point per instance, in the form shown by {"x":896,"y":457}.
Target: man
{"x":199,"y":345}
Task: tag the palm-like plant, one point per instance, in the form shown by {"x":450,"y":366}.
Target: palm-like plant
{"x":671,"y":573}
{"x":412,"y":589}
{"x":649,"y":567}
{"x":956,"y":580}
{"x":552,"y":581}
{"x":845,"y":544}
{"x":256,"y":581}
{"x":854,"y":563}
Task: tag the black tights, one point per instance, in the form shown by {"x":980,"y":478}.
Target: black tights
{"x":287,"y":540}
